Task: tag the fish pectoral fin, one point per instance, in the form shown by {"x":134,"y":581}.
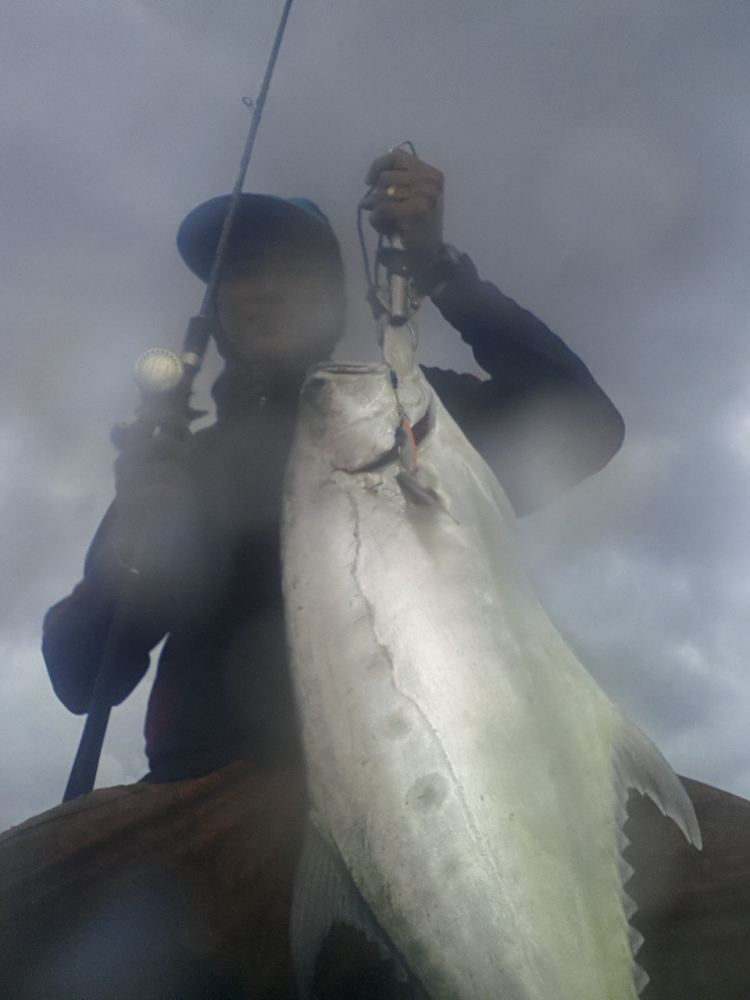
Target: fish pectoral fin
{"x":333,"y":932}
{"x":418,"y":490}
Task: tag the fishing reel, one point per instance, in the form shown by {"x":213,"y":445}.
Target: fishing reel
{"x":158,"y":372}
{"x":165,"y":383}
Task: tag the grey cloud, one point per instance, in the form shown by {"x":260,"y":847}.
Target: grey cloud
{"x":595,"y":158}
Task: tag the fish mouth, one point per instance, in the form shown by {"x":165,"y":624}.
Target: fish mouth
{"x":356,"y":410}
{"x":332,"y":368}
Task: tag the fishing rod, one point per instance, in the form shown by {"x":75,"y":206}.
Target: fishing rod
{"x":158,"y":370}
{"x":165,"y":380}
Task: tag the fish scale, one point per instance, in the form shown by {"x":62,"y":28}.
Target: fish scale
{"x":465,"y":772}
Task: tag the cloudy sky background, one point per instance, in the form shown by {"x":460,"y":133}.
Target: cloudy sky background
{"x":596,"y":156}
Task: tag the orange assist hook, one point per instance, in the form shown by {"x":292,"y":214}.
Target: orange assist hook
{"x":407,"y":445}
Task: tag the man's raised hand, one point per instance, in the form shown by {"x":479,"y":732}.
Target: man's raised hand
{"x":407,"y":200}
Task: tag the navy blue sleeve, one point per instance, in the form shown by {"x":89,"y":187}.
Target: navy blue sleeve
{"x":77,"y":629}
{"x":145,"y":573}
{"x":540,"y":420}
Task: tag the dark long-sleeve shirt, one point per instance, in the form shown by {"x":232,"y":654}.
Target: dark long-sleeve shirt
{"x":222,"y":689}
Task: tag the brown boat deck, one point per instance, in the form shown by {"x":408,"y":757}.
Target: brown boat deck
{"x":181,"y":892}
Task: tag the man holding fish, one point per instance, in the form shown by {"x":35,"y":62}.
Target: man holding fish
{"x":195,"y":523}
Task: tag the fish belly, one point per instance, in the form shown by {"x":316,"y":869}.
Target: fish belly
{"x":459,"y":758}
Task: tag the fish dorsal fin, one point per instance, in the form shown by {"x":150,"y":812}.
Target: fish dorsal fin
{"x":639,"y":766}
{"x":325,"y":897}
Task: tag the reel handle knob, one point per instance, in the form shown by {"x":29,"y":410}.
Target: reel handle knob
{"x":158,"y":372}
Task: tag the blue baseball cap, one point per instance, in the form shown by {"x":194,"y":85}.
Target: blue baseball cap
{"x":261,"y":221}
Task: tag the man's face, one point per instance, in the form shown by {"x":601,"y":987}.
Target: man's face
{"x":285,"y":308}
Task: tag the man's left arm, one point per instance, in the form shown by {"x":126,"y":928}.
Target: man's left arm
{"x":541,"y":420}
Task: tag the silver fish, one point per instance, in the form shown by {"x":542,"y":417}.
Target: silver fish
{"x":467,"y":777}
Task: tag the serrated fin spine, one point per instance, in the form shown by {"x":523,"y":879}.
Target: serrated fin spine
{"x":641,"y":978}
{"x":635,"y":940}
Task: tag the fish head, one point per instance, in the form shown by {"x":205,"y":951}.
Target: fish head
{"x":350,"y":413}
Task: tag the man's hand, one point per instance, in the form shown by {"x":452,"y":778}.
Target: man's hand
{"x":407,"y":200}
{"x":153,"y":500}
{"x":151,"y":464}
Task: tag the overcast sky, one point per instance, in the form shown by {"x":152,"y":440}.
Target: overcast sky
{"x":596,"y":162}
